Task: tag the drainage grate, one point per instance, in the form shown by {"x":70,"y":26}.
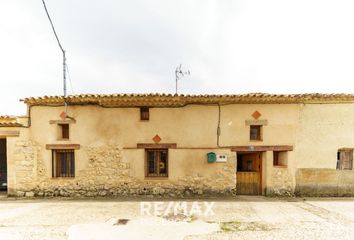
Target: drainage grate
{"x":122,"y":221}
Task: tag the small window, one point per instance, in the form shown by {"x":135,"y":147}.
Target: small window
{"x":63,"y":163}
{"x":144,"y":113}
{"x":275,"y":158}
{"x":63,"y":131}
{"x":280,"y":158}
{"x":157,"y":163}
{"x":345,"y":160}
{"x":255,"y":132}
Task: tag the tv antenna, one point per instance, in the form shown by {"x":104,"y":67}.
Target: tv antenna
{"x":179,"y":74}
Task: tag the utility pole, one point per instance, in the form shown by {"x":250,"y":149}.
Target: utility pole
{"x":62,"y":50}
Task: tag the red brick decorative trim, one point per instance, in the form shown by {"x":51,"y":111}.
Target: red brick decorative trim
{"x":62,"y":146}
{"x":156,"y":146}
{"x":261,"y":148}
{"x":62,"y":121}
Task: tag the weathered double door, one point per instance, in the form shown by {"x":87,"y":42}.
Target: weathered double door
{"x":249,"y":174}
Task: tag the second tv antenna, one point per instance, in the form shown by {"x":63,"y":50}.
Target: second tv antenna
{"x":179,"y":74}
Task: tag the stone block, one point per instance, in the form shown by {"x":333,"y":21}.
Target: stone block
{"x":20,"y":194}
{"x":29,"y":194}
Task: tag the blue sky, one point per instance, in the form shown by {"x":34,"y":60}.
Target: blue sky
{"x":134,"y":46}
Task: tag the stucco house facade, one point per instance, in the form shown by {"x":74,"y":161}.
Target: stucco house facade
{"x":180,"y":145}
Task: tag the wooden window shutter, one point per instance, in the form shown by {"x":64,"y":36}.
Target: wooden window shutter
{"x":144,"y":113}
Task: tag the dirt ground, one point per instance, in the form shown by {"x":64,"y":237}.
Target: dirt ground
{"x":244,"y":217}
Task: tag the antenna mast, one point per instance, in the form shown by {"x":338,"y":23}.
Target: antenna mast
{"x":64,"y":57}
{"x":179,"y":74}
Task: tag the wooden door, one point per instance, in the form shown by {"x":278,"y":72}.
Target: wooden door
{"x":3,"y":165}
{"x":345,"y":160}
{"x":248,"y":175}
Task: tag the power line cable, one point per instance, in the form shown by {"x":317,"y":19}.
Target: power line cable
{"x":71,"y":84}
{"x":51,"y":23}
{"x":65,"y":68}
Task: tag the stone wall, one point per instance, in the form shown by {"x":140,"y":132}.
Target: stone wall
{"x":282,"y":183}
{"x":107,"y":173}
{"x":324,"y":182}
{"x":26,"y":157}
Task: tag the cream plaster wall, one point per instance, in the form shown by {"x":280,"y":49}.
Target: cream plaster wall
{"x":322,"y":130}
{"x":190,"y":126}
{"x":315,"y":130}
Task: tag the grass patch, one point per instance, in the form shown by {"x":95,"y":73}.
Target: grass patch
{"x":236,"y":226}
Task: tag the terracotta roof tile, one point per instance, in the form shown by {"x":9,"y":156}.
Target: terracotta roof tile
{"x":135,"y":100}
{"x":9,"y":121}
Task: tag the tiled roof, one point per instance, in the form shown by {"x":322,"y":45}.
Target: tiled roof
{"x":9,"y":121}
{"x":131,"y":100}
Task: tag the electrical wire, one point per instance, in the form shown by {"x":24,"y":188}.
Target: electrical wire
{"x":51,"y":23}
{"x":65,"y":66}
{"x":71,"y":85}
{"x":218,"y":129}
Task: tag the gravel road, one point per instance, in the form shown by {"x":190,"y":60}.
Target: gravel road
{"x":245,"y":217}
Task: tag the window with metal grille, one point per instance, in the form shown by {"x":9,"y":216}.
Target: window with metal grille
{"x":157,"y":163}
{"x":144,"y":113}
{"x":63,"y":163}
{"x":345,"y":159}
{"x":255,"y":132}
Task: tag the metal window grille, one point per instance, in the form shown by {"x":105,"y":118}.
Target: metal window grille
{"x":157,"y":163}
{"x":63,"y":162}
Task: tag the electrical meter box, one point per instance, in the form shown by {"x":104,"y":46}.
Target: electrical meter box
{"x":221,"y":158}
{"x":211,"y":157}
